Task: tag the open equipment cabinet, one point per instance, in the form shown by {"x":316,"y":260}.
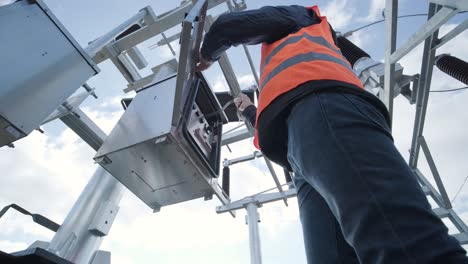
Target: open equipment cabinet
{"x":166,"y":147}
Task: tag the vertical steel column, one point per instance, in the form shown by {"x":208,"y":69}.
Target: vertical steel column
{"x":391,"y":13}
{"x":422,"y":93}
{"x":74,"y":241}
{"x":435,"y":173}
{"x":252,"y":220}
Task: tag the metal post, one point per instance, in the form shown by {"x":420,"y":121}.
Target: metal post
{"x":422,"y":93}
{"x":92,"y":215}
{"x":435,"y":173}
{"x":74,"y":240}
{"x":254,"y":236}
{"x":391,"y":13}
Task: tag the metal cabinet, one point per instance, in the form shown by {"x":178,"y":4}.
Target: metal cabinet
{"x":41,"y":65}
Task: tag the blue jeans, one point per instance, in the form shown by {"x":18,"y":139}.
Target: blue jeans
{"x":359,"y":201}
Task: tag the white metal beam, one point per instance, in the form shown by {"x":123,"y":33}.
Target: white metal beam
{"x":252,"y":220}
{"x":453,"y":33}
{"x":427,"y":29}
{"x":391,"y":14}
{"x":422,"y":92}
{"x":161,"y":23}
{"x":236,"y":136}
{"x":96,"y":46}
{"x":260,"y":199}
{"x":459,"y":4}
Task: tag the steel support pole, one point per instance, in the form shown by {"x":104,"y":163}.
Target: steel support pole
{"x":422,"y":93}
{"x":74,"y":240}
{"x":435,"y":173}
{"x":254,"y":235}
{"x":391,"y":13}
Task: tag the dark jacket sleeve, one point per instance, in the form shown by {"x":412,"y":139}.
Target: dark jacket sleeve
{"x":267,"y":24}
{"x":250,"y":114}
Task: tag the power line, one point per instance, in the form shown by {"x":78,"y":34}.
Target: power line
{"x":459,"y":190}
{"x":449,"y":90}
{"x":349,"y":33}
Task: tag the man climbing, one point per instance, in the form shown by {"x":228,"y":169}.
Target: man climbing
{"x":359,"y":201}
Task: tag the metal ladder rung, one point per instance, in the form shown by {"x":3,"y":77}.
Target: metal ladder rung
{"x":426,"y":190}
{"x":441,"y":212}
{"x":462,"y":238}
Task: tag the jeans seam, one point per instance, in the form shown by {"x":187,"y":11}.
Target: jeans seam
{"x":302,"y":202}
{"x":336,"y":243}
{"x":347,"y":157}
{"x":364,"y":114}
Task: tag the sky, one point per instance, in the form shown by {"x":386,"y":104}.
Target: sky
{"x":45,"y":173}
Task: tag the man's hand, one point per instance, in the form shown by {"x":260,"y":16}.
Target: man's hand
{"x":203,"y":64}
{"x":242,"y":102}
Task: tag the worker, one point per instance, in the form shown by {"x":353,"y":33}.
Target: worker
{"x":359,"y":202}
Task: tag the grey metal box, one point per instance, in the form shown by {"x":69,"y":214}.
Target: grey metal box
{"x":161,"y":163}
{"x":41,"y":66}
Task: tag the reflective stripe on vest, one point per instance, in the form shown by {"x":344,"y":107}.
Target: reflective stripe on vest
{"x":295,"y":39}
{"x":311,"y":56}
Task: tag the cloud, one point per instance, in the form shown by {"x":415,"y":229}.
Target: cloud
{"x":339,"y":13}
{"x":246,"y":81}
{"x":40,"y":166}
{"x":362,"y":39}
{"x":45,"y":170}
{"x":8,"y":246}
{"x":375,"y":11}
{"x":37,"y":175}
{"x":220,"y":84}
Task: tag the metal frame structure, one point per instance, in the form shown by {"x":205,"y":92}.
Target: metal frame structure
{"x":79,"y":241}
{"x":440,"y":11}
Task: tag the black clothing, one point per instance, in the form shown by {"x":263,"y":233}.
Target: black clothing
{"x":270,"y":24}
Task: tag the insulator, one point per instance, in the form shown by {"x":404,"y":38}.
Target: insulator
{"x":287,"y":176}
{"x":350,"y":51}
{"x":226,"y":183}
{"x":453,"y":66}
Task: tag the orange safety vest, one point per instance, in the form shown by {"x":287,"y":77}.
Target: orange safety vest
{"x":307,"y":55}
